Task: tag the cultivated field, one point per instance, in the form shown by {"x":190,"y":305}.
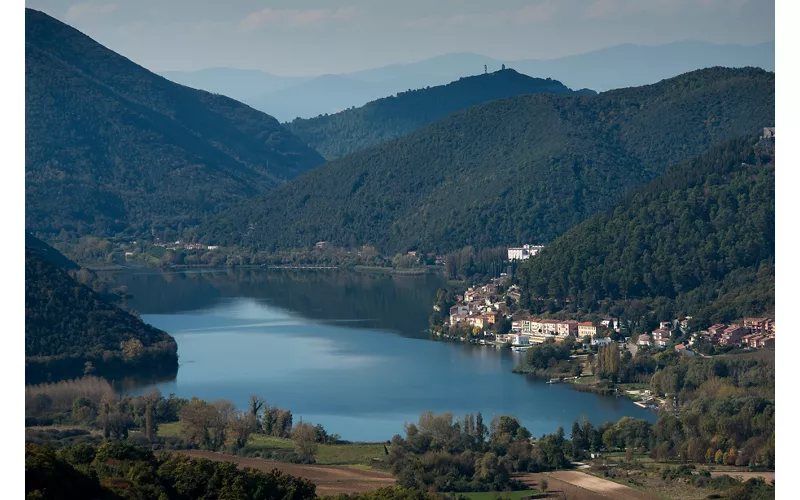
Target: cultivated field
{"x":330,"y":480}
{"x":598,"y":487}
{"x":557,"y":488}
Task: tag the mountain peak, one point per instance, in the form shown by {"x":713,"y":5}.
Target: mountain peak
{"x":342,"y":133}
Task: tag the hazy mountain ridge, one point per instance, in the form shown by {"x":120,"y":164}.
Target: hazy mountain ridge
{"x":620,"y":66}
{"x":514,"y":170}
{"x":239,"y":84}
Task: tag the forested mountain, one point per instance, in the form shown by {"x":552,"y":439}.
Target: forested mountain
{"x":70,"y":330}
{"x":699,"y":240}
{"x":112,"y":147}
{"x":345,"y":132}
{"x":515,"y":170}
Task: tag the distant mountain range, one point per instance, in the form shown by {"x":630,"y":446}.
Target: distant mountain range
{"x":240,"y":84}
{"x":620,"y":66}
{"x":514,"y":170}
{"x":111,"y":147}
{"x":348,"y":131}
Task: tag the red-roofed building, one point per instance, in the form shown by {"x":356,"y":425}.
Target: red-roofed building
{"x":733,"y":335}
{"x":567,"y":328}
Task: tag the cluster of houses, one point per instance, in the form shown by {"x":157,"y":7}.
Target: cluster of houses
{"x":481,"y":306}
{"x":663,"y":334}
{"x":755,"y":333}
{"x":179,"y":245}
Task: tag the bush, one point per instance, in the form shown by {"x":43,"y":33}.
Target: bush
{"x":543,"y":485}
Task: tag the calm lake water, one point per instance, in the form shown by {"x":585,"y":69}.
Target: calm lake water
{"x":346,"y":350}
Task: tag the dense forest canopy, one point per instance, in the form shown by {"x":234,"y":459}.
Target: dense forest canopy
{"x":701,"y":237}
{"x":70,"y":330}
{"x":111,"y":147}
{"x":348,"y":131}
{"x":511,"y":171}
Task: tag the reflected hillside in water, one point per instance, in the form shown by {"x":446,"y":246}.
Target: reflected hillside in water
{"x":398,"y":303}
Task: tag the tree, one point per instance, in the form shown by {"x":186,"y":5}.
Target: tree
{"x":242,"y":424}
{"x":305,"y":444}
{"x":255,"y":405}
{"x":131,"y":349}
{"x":543,"y":485}
{"x":205,"y":424}
{"x":480,"y":431}
{"x":608,"y":362}
{"x":151,"y":426}
{"x":106,"y":404}
{"x":82,"y":410}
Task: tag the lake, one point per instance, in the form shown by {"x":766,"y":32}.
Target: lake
{"x":346,"y":350}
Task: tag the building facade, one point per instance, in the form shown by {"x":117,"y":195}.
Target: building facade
{"x":587,"y":328}
{"x":524,"y":252}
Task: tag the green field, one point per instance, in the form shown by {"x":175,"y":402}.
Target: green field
{"x":352,"y":454}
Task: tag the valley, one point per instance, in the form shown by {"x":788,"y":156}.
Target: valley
{"x":552,"y":278}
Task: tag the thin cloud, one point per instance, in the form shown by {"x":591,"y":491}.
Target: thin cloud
{"x":293,"y":18}
{"x":542,"y":11}
{"x":84,"y":10}
{"x":546,"y":11}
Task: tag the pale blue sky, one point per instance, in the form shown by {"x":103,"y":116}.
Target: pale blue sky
{"x":311,"y":37}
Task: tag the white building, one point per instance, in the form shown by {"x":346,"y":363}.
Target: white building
{"x":522,"y":340}
{"x":524,"y":252}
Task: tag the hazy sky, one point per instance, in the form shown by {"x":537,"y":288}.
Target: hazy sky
{"x":310,"y":37}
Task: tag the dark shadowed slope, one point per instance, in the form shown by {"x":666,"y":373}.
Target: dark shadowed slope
{"x":340,"y":134}
{"x":48,"y":253}
{"x":112,"y":147}
{"x":67,"y":325}
{"x":522,"y":169}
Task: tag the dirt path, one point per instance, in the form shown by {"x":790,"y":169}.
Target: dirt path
{"x":601,"y":487}
{"x":330,"y":479}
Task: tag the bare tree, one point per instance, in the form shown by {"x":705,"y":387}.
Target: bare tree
{"x":255,"y":404}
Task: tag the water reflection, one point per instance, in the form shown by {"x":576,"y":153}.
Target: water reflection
{"x":326,"y":345}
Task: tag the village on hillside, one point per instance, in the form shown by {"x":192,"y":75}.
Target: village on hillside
{"x":489,"y":314}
